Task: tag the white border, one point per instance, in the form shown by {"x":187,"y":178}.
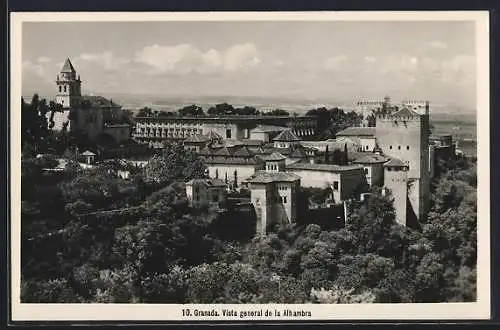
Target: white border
{"x":150,"y":312}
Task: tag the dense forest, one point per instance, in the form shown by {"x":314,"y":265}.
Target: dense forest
{"x":91,"y":236}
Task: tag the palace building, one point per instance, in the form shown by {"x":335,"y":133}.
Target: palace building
{"x":156,"y":131}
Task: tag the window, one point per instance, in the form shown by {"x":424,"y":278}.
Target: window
{"x":390,"y":147}
{"x":196,"y":190}
{"x":215,"y":198}
{"x":399,"y":147}
{"x":280,"y":199}
{"x":284,"y":199}
{"x":60,"y":88}
{"x":65,"y":88}
{"x":366,"y":171}
{"x":407,"y":147}
{"x":228,"y":134}
{"x":335,"y":185}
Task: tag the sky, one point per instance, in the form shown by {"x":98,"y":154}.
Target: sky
{"x":328,"y":61}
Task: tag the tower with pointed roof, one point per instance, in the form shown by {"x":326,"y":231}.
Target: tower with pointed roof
{"x":68,"y":86}
{"x":404,"y":135}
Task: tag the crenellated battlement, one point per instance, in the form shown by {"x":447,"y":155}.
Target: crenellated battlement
{"x":387,"y":117}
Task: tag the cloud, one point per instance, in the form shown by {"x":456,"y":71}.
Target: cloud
{"x":239,"y":56}
{"x":105,"y":59}
{"x":187,"y":58}
{"x":437,"y":44}
{"x":37,"y":69}
{"x":370,"y":59}
{"x":335,"y":62}
{"x":43,"y":59}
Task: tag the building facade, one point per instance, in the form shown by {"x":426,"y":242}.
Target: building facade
{"x":155,"y":131}
{"x":342,"y":180}
{"x":205,"y":192}
{"x":274,"y":198}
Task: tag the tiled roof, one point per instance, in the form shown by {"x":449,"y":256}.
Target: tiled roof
{"x":208,"y":182}
{"x":67,"y":66}
{"x":405,"y":112}
{"x":323,"y":167}
{"x":213,"y":135}
{"x":357,"y":131}
{"x":268,"y":177}
{"x":223,"y":152}
{"x":268,"y":129}
{"x":275,"y":156}
{"x":283,"y":151}
{"x":286,"y":136}
{"x":243,"y":142}
{"x":396,"y":163}
{"x":371,"y":158}
{"x":234,"y":161}
{"x":197,"y":139}
{"x":96,"y":101}
{"x":242,"y":152}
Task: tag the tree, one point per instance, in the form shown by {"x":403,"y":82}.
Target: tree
{"x":191,"y":111}
{"x":50,"y":291}
{"x":165,"y":288}
{"x":221,"y":109}
{"x":246,"y":111}
{"x":144,"y":112}
{"x":174,"y":163}
{"x":277,"y":112}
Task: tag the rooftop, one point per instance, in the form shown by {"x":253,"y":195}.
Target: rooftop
{"x":394,"y":162}
{"x":208,"y":182}
{"x":286,"y":136}
{"x":197,"y":139}
{"x":213,"y":135}
{"x":234,"y":118}
{"x":233,"y":161}
{"x":268,"y":177}
{"x":370,"y":158}
{"x":268,"y":129}
{"x":244,"y":142}
{"x":405,"y":112}
{"x":68,"y":67}
{"x":323,"y":167}
{"x":275,"y":156}
{"x":357,"y":131}
{"x":88,"y":153}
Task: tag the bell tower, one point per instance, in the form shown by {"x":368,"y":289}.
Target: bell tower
{"x":68,"y":86}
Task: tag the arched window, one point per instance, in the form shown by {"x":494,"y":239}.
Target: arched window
{"x":399,"y":147}
{"x":60,"y":88}
{"x":390,"y":147}
{"x":407,"y":147}
{"x":65,"y":88}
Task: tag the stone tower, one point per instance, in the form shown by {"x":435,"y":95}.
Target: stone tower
{"x":396,"y":179}
{"x":68,"y":86}
{"x":274,"y":194}
{"x":405,"y":135}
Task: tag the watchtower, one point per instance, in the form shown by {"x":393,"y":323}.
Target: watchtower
{"x":405,"y":135}
{"x":68,"y":86}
